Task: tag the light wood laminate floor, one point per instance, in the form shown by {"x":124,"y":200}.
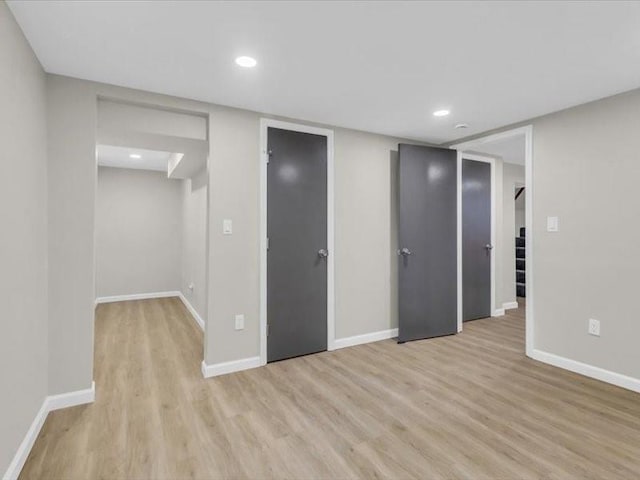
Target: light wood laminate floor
{"x":469,"y":406}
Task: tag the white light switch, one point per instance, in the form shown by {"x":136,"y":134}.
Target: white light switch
{"x":594,"y":327}
{"x":240,"y":322}
{"x":227,"y":227}
{"x":552,"y":224}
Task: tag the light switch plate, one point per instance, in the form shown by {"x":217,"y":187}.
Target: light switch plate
{"x":594,"y":327}
{"x":227,"y":227}
{"x":552,"y":224}
{"x":240,"y":322}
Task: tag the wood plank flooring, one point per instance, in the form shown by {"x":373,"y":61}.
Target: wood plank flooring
{"x":470,"y":406}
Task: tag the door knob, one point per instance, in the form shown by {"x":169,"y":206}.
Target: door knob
{"x":322,"y":253}
{"x":405,"y":251}
{"x":488,"y":246}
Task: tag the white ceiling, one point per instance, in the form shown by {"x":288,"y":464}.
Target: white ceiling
{"x":511,"y":149}
{"x":110,"y":156}
{"x":377,"y":66}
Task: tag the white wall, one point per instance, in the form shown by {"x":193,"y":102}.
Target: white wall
{"x":585,"y":171}
{"x":512,"y":175}
{"x":138,"y":232}
{"x":72,"y":172}
{"x":365,"y":230}
{"x":23,"y":237}
{"x":194,"y":243}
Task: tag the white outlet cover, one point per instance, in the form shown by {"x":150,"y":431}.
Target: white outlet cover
{"x":240,"y":322}
{"x":552,"y":224}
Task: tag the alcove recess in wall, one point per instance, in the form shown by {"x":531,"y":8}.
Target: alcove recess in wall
{"x":145,"y":127}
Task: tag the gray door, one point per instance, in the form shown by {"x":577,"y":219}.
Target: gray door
{"x":427,"y":273}
{"x":476,"y":239}
{"x":296,"y":255}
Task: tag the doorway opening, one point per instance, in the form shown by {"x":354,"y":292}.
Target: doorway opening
{"x":151,"y":232}
{"x":511,"y":154}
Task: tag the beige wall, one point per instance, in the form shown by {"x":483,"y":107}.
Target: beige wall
{"x":194,"y":243}
{"x":23,"y":237}
{"x":72,"y":171}
{"x":512,"y":175}
{"x":585,"y":171}
{"x":365,"y":240}
{"x":138,"y":232}
{"x":577,"y":154}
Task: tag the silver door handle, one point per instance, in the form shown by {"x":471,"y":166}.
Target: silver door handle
{"x":488,"y":246}
{"x":322,"y":253}
{"x":405,"y":251}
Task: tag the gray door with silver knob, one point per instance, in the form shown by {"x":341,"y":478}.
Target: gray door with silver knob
{"x":476,"y":239}
{"x":427,"y":255}
{"x":297,"y":247}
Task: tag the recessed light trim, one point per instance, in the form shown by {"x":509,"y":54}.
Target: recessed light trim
{"x":135,"y":155}
{"x":246,"y":62}
{"x":441,"y":113}
{"x":461,"y":125}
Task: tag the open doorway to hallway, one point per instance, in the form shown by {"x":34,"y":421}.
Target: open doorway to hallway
{"x":510,"y":154}
{"x":151,"y":235}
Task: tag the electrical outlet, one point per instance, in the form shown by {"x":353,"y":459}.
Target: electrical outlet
{"x":240,"y":322}
{"x":594,"y":327}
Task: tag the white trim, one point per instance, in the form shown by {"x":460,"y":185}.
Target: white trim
{"x":365,"y":338}
{"x":19,"y":459}
{"x":624,"y":381}
{"x":192,"y":311}
{"x":72,"y":399}
{"x":265,"y":123}
{"x":137,"y":296}
{"x":510,"y":305}
{"x":459,"y":237}
{"x":223,"y":368}
{"x":50,"y":403}
{"x":496,"y":312}
{"x":527,"y":131}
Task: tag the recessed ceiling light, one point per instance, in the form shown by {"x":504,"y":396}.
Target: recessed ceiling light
{"x":461,"y":125}
{"x":246,"y":62}
{"x":135,"y":155}
{"x":441,"y":113}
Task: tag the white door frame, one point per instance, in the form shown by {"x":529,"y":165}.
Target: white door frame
{"x":527,"y":131}
{"x":492,"y":162}
{"x":265,"y":123}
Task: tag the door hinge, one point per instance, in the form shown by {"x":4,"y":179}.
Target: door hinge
{"x":267,"y":243}
{"x":268,"y":156}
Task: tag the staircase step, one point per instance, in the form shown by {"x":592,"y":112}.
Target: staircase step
{"x":520,"y":264}
{"x":522,"y":232}
{"x":520,"y":252}
{"x":520,"y":242}
{"x":520,"y":276}
{"x":521,"y":290}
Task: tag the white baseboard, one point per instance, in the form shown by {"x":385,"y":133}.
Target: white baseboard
{"x":587,"y":370}
{"x":72,"y":399}
{"x":499,"y":312}
{"x":192,"y":311}
{"x":137,"y":296}
{"x":365,"y":338}
{"x":50,"y":403}
{"x":15,"y":467}
{"x":230,"y":367}
{"x":510,"y":305}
